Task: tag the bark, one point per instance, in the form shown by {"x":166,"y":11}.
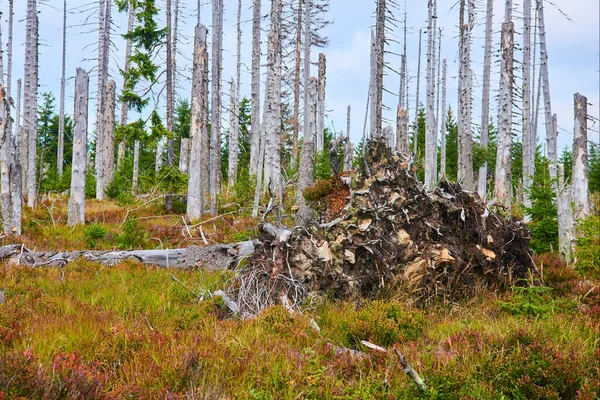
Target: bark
{"x":16,"y":184}
{"x":170,"y":95}
{"x":61,"y":115}
{"x":215,"y":122}
{"x":32,"y":136}
{"x":212,"y":258}
{"x":108,"y":168}
{"x":124,"y":105}
{"x":232,"y":165}
{"x":485,"y":102}
{"x":550,"y":128}
{"x":415,"y":141}
{"x":236,"y":98}
{"x":305,"y":215}
{"x":199,"y":127}
{"x":272,"y":123}
{"x":5,"y":195}
{"x":348,"y":150}
{"x":379,"y":54}
{"x":526,"y":140}
{"x":502,"y":187}
{"x":255,"y":90}
{"x":76,"y":213}
{"x":431,"y":133}
{"x":321,"y":102}
{"x":465,"y":155}
{"x":298,"y":62}
{"x":388,"y":134}
{"x":102,"y":55}
{"x":566,"y":223}
{"x":184,"y":155}
{"x":9,"y":46}
{"x":443,"y":124}
{"x":580,"y":160}
{"x":136,"y":165}
{"x":307,"y":48}
{"x":372,"y":87}
{"x":402,"y":145}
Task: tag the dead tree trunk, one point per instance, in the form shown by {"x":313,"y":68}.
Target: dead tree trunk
{"x":29,"y":95}
{"x":5,"y":195}
{"x":379,"y":54}
{"x":580,"y":160}
{"x":136,"y":165}
{"x":215,"y":121}
{"x":170,"y":96}
{"x":305,"y":215}
{"x":348,"y":150}
{"x":297,"y":66}
{"x":431,"y":133}
{"x":9,"y":46}
{"x":198,"y":127}
{"x":236,"y":98}
{"x":485,"y":102}
{"x":402,"y":141}
{"x":526,"y":140}
{"x":321,"y":102}
{"x":566,"y":224}
{"x":372,"y":89}
{"x":307,"y":49}
{"x":502,"y":186}
{"x":465,"y":151}
{"x":103,"y":57}
{"x":16,"y":184}
{"x":443,"y":124}
{"x":416,"y":126}
{"x":33,"y":137}
{"x":550,"y":129}
{"x":76,"y":214}
{"x":232,"y":165}
{"x":108,"y":169}
{"x":124,"y":105}
{"x":61,"y":115}
{"x":255,"y":90}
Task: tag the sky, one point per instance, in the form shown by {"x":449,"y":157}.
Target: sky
{"x":573,"y":38}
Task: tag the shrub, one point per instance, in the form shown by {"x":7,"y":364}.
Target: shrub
{"x":557,"y":274}
{"x":92,"y":234}
{"x":317,"y":191}
{"x":531,"y":301}
{"x":133,"y":237}
{"x":588,"y":247}
{"x":383,"y":323}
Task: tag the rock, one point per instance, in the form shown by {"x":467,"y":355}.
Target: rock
{"x":324,"y":253}
{"x":349,"y":256}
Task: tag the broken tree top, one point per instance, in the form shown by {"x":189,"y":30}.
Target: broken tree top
{"x":444,"y":243}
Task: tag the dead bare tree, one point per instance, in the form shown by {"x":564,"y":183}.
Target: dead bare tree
{"x":305,"y":215}
{"x":232,"y":165}
{"x":431,"y":132}
{"x":402,"y":140}
{"x":124,"y":105}
{"x":443,"y":124}
{"x":61,"y":114}
{"x":528,"y":159}
{"x":170,"y":94}
{"x":76,"y":214}
{"x":566,"y":224}
{"x":103,"y":62}
{"x":215,"y":122}
{"x":31,"y":86}
{"x":321,"y":103}
{"x":465,"y":84}
{"x":348,"y":149}
{"x":580,"y":176}
{"x":415,"y":141}
{"x":255,"y":90}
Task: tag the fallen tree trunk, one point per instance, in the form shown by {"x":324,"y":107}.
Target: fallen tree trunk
{"x":214,"y":258}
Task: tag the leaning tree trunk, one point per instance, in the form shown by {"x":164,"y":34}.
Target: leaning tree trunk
{"x":60,"y":163}
{"x":305,"y":215}
{"x":580,"y":160}
{"x":321,"y":102}
{"x":550,"y":128}
{"x":108,"y":168}
{"x":198,"y":126}
{"x":465,"y":151}
{"x":215,"y":122}
{"x":298,"y":62}
{"x":232,"y":165}
{"x":76,"y":214}
{"x":443,"y":124}
{"x":255,"y":90}
{"x":124,"y":105}
{"x":485,"y":97}
{"x":502,"y":187}
{"x":526,"y":139}
{"x":431,"y":133}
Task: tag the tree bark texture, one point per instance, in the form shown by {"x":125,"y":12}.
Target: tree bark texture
{"x":305,"y":215}
{"x":431,"y":132}
{"x":321,"y":102}
{"x":443,"y":124}
{"x":232,"y":165}
{"x":580,"y":177}
{"x":61,"y":114}
{"x":255,"y":89}
{"x":526,"y":117}
{"x":465,"y":151}
{"x":215,"y":121}
{"x":348,"y":150}
{"x":566,"y":223}
{"x":108,"y":144}
{"x":124,"y":105}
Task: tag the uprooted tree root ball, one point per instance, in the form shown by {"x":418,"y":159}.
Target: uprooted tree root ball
{"x":392,"y":234}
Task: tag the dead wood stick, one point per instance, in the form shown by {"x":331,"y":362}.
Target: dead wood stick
{"x":409,"y":370}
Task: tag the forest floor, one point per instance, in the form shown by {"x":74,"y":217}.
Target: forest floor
{"x":131,"y":331}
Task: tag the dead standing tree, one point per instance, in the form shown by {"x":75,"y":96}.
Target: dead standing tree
{"x":431,"y":132}
{"x":61,"y":115}
{"x":124,"y":105}
{"x":215,"y":121}
{"x":76,"y":213}
{"x":528,"y":158}
{"x":305,"y":215}
{"x":465,"y":79}
{"x":580,"y":177}
{"x":255,"y":90}
{"x":321,"y":103}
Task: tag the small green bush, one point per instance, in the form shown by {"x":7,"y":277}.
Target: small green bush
{"x":588,"y":247}
{"x":133,"y":237}
{"x":317,"y":191}
{"x":531,"y":301}
{"x":383,"y":323}
{"x":93,"y":234}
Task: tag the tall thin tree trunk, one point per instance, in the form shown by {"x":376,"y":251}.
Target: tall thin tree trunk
{"x":199,"y":126}
{"x":566,"y":223}
{"x":32,"y":137}
{"x":465,"y":155}
{"x":102,"y":50}
{"x":76,"y":214}
{"x":550,"y":129}
{"x":215,"y":138}
{"x":27,"y":93}
{"x":170,"y":97}
{"x":18,"y":120}
{"x":232,"y":165}
{"x":5,"y":196}
{"x":402,"y":140}
{"x":307,"y":49}
{"x":9,"y":46}
{"x":321,"y":102}
{"x":348,"y":150}
{"x":431,"y":133}
{"x":136,"y":166}
{"x":305,"y":215}
{"x":485,"y":102}
{"x":255,"y":90}
{"x":124,"y":105}
{"x":372,"y":89}
{"x":236,"y":98}
{"x":580,"y":159}
{"x":298,"y":61}
{"x":61,"y":116}
{"x":108,"y":169}
{"x":502,"y":187}
{"x":416,"y":127}
{"x":526,"y":140}
{"x":380,"y":55}
{"x":443,"y":124}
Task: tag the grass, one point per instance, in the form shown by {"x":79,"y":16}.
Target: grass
{"x":130,"y":331}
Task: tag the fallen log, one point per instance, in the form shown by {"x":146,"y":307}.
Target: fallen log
{"x":214,"y":258}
